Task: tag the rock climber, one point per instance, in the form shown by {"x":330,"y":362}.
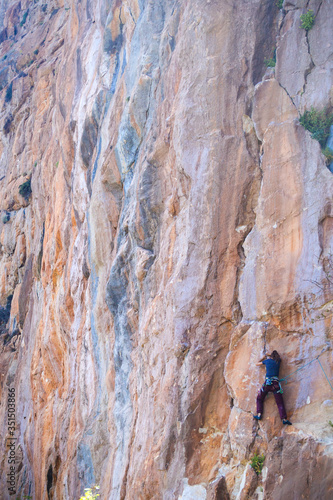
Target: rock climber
{"x":271,"y":384}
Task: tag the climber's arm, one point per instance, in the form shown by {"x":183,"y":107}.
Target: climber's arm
{"x":260,"y":361}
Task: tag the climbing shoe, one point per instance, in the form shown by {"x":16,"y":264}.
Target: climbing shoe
{"x":286,"y":422}
{"x":257,"y":417}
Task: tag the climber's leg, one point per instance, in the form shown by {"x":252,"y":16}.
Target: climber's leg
{"x":280,"y":404}
{"x":261,"y":397}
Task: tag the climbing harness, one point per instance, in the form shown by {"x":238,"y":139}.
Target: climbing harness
{"x":306,"y":364}
{"x":271,"y":380}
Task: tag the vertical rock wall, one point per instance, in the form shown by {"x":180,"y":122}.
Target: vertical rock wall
{"x":165,"y":220}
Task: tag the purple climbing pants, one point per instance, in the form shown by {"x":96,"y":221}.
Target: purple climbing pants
{"x":265,"y":389}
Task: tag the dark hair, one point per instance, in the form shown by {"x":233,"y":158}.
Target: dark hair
{"x":275,"y":355}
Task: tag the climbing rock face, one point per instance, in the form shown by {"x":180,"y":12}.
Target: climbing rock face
{"x":165,"y":221}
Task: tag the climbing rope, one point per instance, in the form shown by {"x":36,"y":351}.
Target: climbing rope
{"x":306,"y":364}
{"x":298,"y":369}
{"x":321,"y":366}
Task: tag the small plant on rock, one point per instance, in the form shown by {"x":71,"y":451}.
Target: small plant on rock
{"x":257,"y":463}
{"x":318,"y":123}
{"x":330,"y":423}
{"x":279,"y":4}
{"x":25,"y":189}
{"x":271,"y":62}
{"x":307,"y":20}
{"x":90,"y":493}
{"x":328,"y":153}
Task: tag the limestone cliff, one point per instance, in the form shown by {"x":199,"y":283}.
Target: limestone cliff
{"x":165,"y":220}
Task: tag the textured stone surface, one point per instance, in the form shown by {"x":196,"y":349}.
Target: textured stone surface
{"x":179,"y":226}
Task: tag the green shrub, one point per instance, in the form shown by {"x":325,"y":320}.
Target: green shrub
{"x":270,"y":63}
{"x":257,"y":463}
{"x":25,"y":189}
{"x":279,"y":4}
{"x":307,"y":20}
{"x":90,"y":493}
{"x":330,"y":423}
{"x":328,"y":153}
{"x":318,"y":123}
